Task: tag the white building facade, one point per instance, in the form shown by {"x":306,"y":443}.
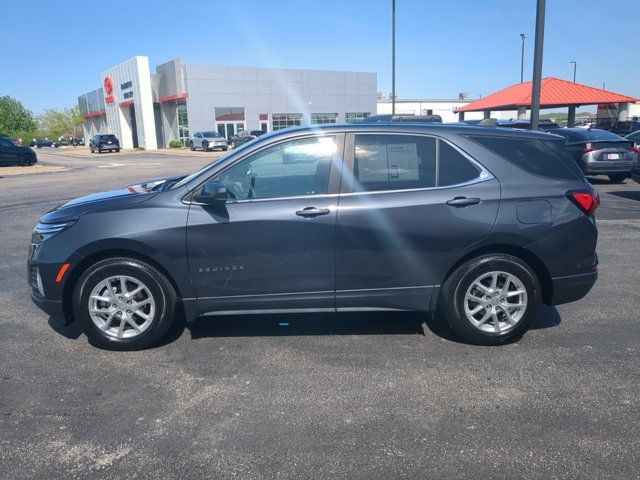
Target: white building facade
{"x":445,"y":108}
{"x":149,"y":110}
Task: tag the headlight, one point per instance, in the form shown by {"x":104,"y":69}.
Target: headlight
{"x":44,"y":231}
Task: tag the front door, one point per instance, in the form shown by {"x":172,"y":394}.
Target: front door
{"x":271,"y":246}
{"x":230,"y":131}
{"x":410,"y":205}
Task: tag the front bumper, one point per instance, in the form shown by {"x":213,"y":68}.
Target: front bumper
{"x":53,"y":308}
{"x":572,"y":288}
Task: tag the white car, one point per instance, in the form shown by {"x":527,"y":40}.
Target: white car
{"x":208,"y":141}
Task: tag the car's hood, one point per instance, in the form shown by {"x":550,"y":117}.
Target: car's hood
{"x":138,"y":192}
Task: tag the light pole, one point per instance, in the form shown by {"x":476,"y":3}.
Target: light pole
{"x":537,"y":64}
{"x":522,"y":35}
{"x":393,"y":57}
{"x":575,"y":64}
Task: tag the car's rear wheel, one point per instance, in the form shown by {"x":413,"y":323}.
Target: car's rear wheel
{"x":491,"y":300}
{"x":124,"y":304}
{"x":617,"y":177}
{"x":117,"y":150}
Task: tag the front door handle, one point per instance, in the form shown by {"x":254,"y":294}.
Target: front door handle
{"x":310,"y":212}
{"x":463,"y":201}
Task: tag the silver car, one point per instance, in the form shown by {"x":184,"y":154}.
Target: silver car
{"x":208,"y":141}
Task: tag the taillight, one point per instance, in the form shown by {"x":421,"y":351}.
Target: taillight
{"x":586,"y":200}
{"x":635,"y":149}
{"x":587,"y":148}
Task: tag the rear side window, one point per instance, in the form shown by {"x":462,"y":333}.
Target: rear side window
{"x":402,"y":162}
{"x":540,"y":157}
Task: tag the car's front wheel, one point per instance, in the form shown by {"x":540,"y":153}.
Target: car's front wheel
{"x":491,"y":300}
{"x":205,"y":147}
{"x":124,"y":304}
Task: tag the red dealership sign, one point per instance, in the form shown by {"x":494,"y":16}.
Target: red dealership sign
{"x":108,"y":85}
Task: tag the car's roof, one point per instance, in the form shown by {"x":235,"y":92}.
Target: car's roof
{"x":591,"y":134}
{"x":406,"y":127}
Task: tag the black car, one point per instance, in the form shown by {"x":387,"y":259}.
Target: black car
{"x":102,"y":143}
{"x":626,"y":127}
{"x":245,"y":136}
{"x":12,"y":154}
{"x":599,"y":152}
{"x":39,"y":143}
{"x":386,"y":118}
{"x":480,"y":225}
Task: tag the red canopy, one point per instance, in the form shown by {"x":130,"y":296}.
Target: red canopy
{"x":554,"y":93}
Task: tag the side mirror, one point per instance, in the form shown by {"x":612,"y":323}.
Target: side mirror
{"x":211,"y":193}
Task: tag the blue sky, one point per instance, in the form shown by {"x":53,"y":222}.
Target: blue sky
{"x":55,"y":50}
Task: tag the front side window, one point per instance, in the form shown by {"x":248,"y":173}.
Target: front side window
{"x":401,"y":162}
{"x":290,"y":169}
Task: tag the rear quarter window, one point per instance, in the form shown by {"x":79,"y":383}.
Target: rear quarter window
{"x":546,"y":158}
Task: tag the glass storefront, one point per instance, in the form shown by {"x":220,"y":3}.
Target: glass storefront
{"x":183,"y":122}
{"x":355,"y":116}
{"x":286,"y":120}
{"x":319,"y":118}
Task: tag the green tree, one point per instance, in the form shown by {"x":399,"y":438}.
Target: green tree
{"x":15,"y":120}
{"x":62,"y":123}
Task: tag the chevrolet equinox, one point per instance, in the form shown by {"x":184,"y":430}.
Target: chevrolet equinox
{"x":479,"y":225}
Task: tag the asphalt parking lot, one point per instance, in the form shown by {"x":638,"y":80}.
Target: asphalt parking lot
{"x":329,"y":396}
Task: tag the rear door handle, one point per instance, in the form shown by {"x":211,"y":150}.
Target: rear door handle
{"x":463,"y":201}
{"x":310,"y":212}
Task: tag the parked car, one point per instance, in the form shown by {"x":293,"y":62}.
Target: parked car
{"x":208,"y":141}
{"x":103,"y":142}
{"x":635,"y":138}
{"x":626,"y":127}
{"x":245,"y":136}
{"x":403,"y":118}
{"x":525,"y":124}
{"x":12,"y":154}
{"x":599,"y":152}
{"x":463,"y":221}
{"x":39,"y":143}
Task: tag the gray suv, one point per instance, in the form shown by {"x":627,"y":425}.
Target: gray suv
{"x":209,"y":140}
{"x":479,"y":225}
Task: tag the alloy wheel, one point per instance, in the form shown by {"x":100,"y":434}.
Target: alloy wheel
{"x":495,"y":302}
{"x":122,"y":306}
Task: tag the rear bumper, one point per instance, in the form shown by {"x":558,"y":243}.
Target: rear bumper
{"x":605,"y":167}
{"x":572,"y":288}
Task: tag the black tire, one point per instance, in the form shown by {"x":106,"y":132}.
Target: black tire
{"x":193,"y":148}
{"x":22,"y":161}
{"x":617,"y":177}
{"x":99,"y":151}
{"x":205,"y":146}
{"x":117,"y":150}
{"x":224,"y":149}
{"x":454,"y":289}
{"x":159,"y":287}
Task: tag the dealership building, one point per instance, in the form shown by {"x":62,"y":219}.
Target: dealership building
{"x":149,"y":110}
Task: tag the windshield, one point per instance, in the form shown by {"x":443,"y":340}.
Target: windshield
{"x":210,"y":134}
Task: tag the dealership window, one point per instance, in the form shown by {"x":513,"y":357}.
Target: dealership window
{"x":319,"y":118}
{"x":290,"y":169}
{"x":183,"y":123}
{"x":400,"y":162}
{"x":285,"y":120}
{"x":229,"y":114}
{"x":355,"y":116}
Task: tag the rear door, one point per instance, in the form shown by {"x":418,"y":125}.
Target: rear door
{"x":409,"y":205}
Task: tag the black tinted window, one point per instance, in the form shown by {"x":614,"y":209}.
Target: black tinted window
{"x":531,"y":154}
{"x":394,"y":162}
{"x":453,"y":167}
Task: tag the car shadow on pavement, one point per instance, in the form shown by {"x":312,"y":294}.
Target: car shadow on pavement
{"x":71,"y":331}
{"x":633,"y":195}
